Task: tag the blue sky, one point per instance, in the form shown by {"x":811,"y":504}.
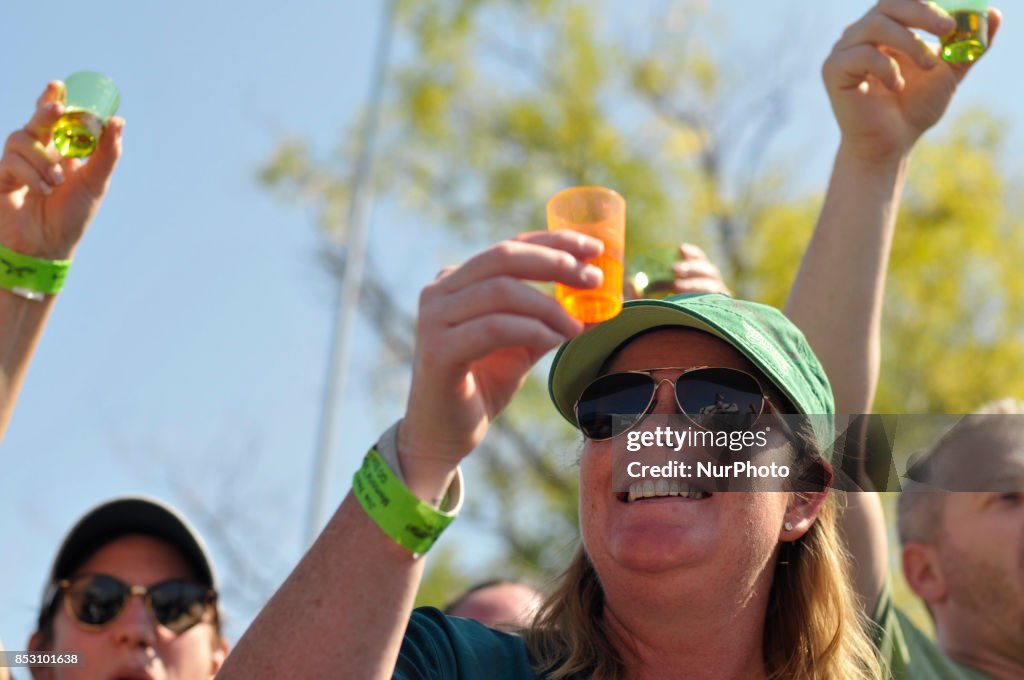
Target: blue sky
{"x":190,"y":342}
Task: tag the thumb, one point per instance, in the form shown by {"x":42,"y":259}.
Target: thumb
{"x":995,"y":21}
{"x":95,"y":173}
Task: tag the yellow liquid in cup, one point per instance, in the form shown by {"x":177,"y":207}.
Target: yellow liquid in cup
{"x":594,"y":305}
{"x":597,"y":304}
{"x":600,"y":213}
{"x":76,"y":133}
{"x":970,"y":39}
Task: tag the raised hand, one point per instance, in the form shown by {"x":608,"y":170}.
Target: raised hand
{"x":886,"y":84}
{"x":46,"y":202}
{"x":696,"y":273}
{"x":481,"y":328}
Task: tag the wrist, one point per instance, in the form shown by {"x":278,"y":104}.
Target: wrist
{"x":427,"y":474}
{"x":44,"y":252}
{"x":40,"y":248}
{"x":873,"y":158}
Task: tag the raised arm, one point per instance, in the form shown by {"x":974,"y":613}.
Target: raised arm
{"x":480,"y":329}
{"x":46,"y":203}
{"x":887,"y":87}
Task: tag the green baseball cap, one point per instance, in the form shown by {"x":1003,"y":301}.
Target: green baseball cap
{"x":759,"y":332}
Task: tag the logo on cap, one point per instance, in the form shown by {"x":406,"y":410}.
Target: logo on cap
{"x":756,"y":338}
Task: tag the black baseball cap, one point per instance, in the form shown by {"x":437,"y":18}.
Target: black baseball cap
{"x":129,"y":515}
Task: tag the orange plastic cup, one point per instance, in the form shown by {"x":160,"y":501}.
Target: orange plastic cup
{"x":601,"y":213}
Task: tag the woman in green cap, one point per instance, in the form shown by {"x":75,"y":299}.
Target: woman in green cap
{"x":683,"y":581}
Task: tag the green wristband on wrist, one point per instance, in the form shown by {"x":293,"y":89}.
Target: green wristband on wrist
{"x":399,"y":513}
{"x":31,"y":277}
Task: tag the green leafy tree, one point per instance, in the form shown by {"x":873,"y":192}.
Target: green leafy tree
{"x":498,"y":104}
{"x":954,"y":312}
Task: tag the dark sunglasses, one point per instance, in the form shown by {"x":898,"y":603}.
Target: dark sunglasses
{"x":717,"y":399}
{"x":95,"y":600}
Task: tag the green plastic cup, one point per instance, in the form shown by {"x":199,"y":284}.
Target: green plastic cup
{"x":969,"y":39}
{"x":92,"y":98}
{"x":652,"y":272}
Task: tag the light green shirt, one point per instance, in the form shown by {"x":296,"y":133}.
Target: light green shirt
{"x":911,"y":654}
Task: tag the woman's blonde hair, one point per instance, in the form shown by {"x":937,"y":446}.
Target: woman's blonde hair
{"x":815,"y":628}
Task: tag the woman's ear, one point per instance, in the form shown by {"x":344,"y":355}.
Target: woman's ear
{"x":220,"y":653}
{"x":801,"y":513}
{"x":36,"y":644}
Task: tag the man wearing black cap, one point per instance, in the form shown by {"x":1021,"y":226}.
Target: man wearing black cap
{"x":132,"y":592}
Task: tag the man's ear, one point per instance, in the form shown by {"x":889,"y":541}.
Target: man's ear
{"x":923,"y":571}
{"x":801,"y":513}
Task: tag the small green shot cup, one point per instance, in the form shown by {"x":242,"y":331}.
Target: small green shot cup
{"x":92,"y":98}
{"x":970,"y":38}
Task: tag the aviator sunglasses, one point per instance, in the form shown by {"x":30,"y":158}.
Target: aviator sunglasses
{"x":95,"y":600}
{"x":717,"y":399}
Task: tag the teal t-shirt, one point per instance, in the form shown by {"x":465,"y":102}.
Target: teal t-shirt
{"x":911,"y":654}
{"x":439,"y":647}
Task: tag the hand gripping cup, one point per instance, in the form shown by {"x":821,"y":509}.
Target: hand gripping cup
{"x":600,"y":213}
{"x":92,"y":98}
{"x":970,"y":38}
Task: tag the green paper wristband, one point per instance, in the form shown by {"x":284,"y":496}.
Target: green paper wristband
{"x":399,"y":513}
{"x":23,"y":274}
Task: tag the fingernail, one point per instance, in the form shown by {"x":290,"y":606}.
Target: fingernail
{"x":56,"y":175}
{"x":592,"y":243}
{"x":592,"y":275}
{"x":45,"y":189}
